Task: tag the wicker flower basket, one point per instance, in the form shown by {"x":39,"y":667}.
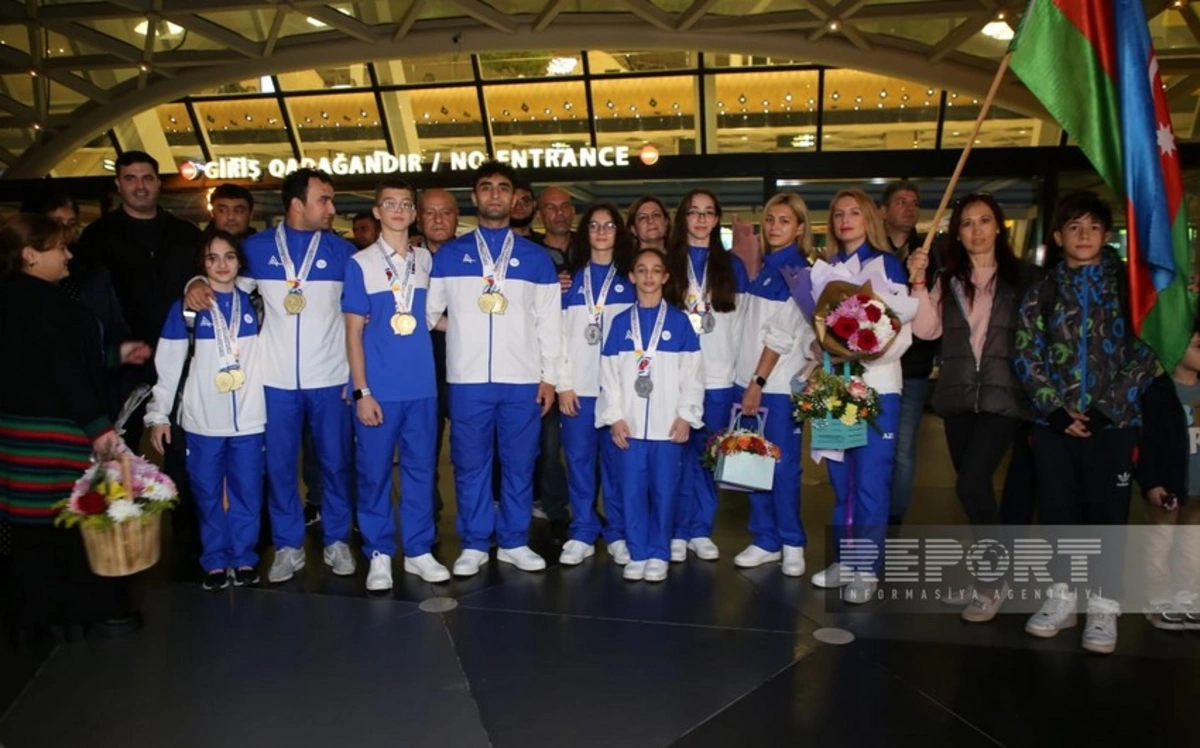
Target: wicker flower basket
{"x":124,"y":549}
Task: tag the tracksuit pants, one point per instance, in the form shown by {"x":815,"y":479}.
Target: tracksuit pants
{"x":650,"y":474}
{"x":486,"y":421}
{"x":329,"y":416}
{"x":582,"y":442}
{"x":862,"y":486}
{"x":775,"y":514}
{"x":412,"y":425}
{"x":233,"y":467}
{"x":697,"y":506}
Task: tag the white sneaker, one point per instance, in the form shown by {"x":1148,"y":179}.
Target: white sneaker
{"x":1056,"y":614}
{"x":754,"y":556}
{"x":339,"y":558}
{"x":468,"y":563}
{"x":379,"y":577}
{"x":618,"y":551}
{"x":521,"y":557}
{"x":635,"y":571}
{"x":656,"y":570}
{"x":426,"y":567}
{"x":575,"y":551}
{"x":678,"y":550}
{"x":287,"y":562}
{"x":1100,"y":632}
{"x":861,"y":589}
{"x":704,"y":548}
{"x":834,"y":576}
{"x":793,"y":560}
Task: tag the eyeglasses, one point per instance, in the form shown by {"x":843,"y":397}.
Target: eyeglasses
{"x":706,"y":215}
{"x":602,"y":228}
{"x":391,"y":205}
{"x":648,"y":217}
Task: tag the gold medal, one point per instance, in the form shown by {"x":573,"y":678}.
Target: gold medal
{"x":239,"y":378}
{"x":225,"y":382}
{"x":293,"y":303}
{"x":487,"y":303}
{"x":501,"y":303}
{"x":403,"y":324}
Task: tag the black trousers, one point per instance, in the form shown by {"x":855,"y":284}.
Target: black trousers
{"x":1018,"y":503}
{"x":51,"y":583}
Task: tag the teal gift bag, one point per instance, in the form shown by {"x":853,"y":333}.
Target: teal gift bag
{"x":829,"y":432}
{"x":745,"y":471}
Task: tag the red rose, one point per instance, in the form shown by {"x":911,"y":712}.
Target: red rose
{"x":845,"y":327}
{"x":867,"y":340}
{"x":873,"y":313}
{"x":863,"y":298}
{"x":92,"y":503}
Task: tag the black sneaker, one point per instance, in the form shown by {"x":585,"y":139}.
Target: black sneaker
{"x":312,"y":514}
{"x":245,"y":576}
{"x":216,"y":580}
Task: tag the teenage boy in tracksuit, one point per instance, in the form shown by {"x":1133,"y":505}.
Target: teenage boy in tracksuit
{"x":1085,"y":372}
{"x":503,"y":308}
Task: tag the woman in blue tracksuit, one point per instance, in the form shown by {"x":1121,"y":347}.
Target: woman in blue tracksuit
{"x":652,"y":396}
{"x":709,"y":285}
{"x":599,"y":260}
{"x":774,"y":348}
{"x":862,"y":480}
{"x":223,"y":414}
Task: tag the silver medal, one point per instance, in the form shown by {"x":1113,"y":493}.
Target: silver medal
{"x":592,"y":334}
{"x":708,"y":322}
{"x":643,"y":386}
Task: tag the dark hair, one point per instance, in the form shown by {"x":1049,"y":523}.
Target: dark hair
{"x":580,"y":250}
{"x":494,"y":168}
{"x":26,"y":230}
{"x":1079,"y":204}
{"x":520,"y":183}
{"x":229,"y":239}
{"x":958,"y":263}
{"x":295,"y":185}
{"x":722,"y":283}
{"x":902,"y":185}
{"x":364,"y":217}
{"x":233,"y":192}
{"x":49,"y":202}
{"x":637,"y":255}
{"x":129,"y":158}
{"x":631,"y":216}
{"x":391,"y":184}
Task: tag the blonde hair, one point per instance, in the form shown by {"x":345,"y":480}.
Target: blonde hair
{"x":805,"y":240}
{"x":876,"y":236}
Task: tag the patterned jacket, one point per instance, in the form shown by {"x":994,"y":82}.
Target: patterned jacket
{"x":1075,"y":350}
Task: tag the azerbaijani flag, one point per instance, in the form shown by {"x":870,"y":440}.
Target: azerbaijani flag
{"x":1091,"y":64}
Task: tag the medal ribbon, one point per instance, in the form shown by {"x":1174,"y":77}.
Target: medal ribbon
{"x":226,"y":333}
{"x":494,"y":270}
{"x":645,"y":353}
{"x":404,"y":289}
{"x":295,"y":280}
{"x":595,"y":304}
{"x":697,"y":298}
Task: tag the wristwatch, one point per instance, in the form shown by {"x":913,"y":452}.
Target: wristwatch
{"x":760,"y":381}
{"x":360,"y":394}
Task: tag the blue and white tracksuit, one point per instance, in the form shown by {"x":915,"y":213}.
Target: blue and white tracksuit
{"x":773,"y":320}
{"x":224,"y":431}
{"x":400,"y":375}
{"x":862,"y":482}
{"x":494,"y":363}
{"x":581,"y":439}
{"x":698,"y":490}
{"x":305,"y":373}
{"x":652,"y":468}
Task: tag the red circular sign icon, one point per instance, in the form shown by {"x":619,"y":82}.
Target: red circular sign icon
{"x":648,"y":155}
{"x":190,"y":170}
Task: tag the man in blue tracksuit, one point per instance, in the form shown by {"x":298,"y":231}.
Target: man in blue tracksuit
{"x":299,"y":269}
{"x":503,"y":308}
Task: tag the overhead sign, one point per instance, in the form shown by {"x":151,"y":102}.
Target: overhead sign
{"x":383,"y":163}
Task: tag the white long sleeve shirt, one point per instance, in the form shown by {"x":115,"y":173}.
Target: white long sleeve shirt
{"x":773,"y":320}
{"x":722,"y":344}
{"x":580,"y":367}
{"x":677,"y":371}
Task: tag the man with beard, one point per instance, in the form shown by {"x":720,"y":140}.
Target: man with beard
{"x":523,"y":212}
{"x":365,"y":230}
{"x":232,"y":209}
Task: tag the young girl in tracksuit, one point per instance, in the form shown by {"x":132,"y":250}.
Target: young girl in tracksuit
{"x":862,"y":480}
{"x":223,"y":415}
{"x":601,"y":289}
{"x":709,"y":285}
{"x":652,"y":395}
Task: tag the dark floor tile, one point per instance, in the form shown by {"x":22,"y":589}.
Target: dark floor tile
{"x":544,"y":680}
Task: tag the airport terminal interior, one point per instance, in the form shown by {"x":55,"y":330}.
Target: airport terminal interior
{"x":744,"y":97}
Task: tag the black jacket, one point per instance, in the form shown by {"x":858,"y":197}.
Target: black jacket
{"x":1164,"y":451}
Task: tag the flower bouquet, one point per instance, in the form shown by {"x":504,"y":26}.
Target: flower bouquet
{"x":118,"y":504}
{"x":742,"y":459}
{"x":826,"y":399}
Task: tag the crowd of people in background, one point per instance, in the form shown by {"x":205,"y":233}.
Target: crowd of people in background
{"x":580,"y":371}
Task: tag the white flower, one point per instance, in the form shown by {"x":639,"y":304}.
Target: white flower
{"x":155,"y":491}
{"x":122,"y":510}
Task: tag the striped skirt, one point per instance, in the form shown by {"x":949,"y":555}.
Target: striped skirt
{"x":40,"y":460}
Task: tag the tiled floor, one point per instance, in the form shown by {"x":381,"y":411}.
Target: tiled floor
{"x":578,"y":657}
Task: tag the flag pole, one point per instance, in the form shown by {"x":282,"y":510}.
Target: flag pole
{"x":962,"y":159}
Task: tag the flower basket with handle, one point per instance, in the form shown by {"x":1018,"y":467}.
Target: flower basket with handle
{"x":742,"y":459}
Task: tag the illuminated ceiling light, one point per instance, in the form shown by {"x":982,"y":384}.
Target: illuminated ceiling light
{"x":835,"y":96}
{"x":633,"y":107}
{"x":998,"y":30}
{"x":36,"y":126}
{"x":249,"y":118}
{"x":880,"y":105}
{"x":308,"y":120}
{"x":787,"y":97}
{"x":609,"y":104}
{"x":720,"y":105}
{"x":316,"y":23}
{"x":426,"y":115}
{"x":956,"y":132}
{"x":675,"y":105}
{"x":954,"y":96}
{"x":856,"y":108}
{"x":272,"y":121}
{"x":901,"y":106}
{"x":883,"y":94}
{"x":561,"y":66}
{"x":32,"y":73}
{"x":362,"y":113}
{"x":742,"y":99}
{"x":929,"y":92}
{"x":568,"y":106}
{"x":173,"y":120}
{"x":857,"y":99}
{"x":506,"y":113}
{"x":927,"y":103}
{"x":833,"y":24}
{"x":812,"y":101}
{"x":974,"y":101}
{"x":143,"y":68}
{"x":547,"y":110}
{"x":325,"y":115}
{"x":904,"y":97}
{"x":164,"y":28}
